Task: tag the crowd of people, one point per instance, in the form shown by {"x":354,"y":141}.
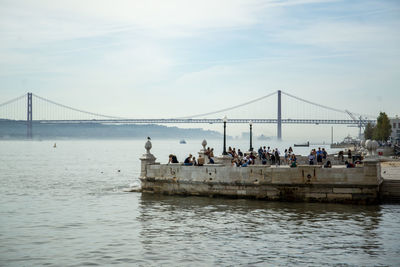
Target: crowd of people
{"x":190,"y":160}
{"x":317,"y":157}
{"x":264,"y":154}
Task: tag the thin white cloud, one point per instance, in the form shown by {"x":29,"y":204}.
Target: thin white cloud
{"x":173,"y":55}
{"x":342,"y":36}
{"x":43,"y":21}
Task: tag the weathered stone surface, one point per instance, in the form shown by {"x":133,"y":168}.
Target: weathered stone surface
{"x":346,"y":190}
{"x":305,"y":183}
{"x":336,"y":197}
{"x":316,"y":196}
{"x":369,"y":190}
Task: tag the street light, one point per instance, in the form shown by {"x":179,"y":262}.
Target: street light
{"x":225,"y":119}
{"x":251,"y":135}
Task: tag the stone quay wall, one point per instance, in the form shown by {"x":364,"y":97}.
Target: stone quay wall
{"x":304,"y":183}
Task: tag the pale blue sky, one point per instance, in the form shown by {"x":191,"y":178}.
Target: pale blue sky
{"x":176,"y":58}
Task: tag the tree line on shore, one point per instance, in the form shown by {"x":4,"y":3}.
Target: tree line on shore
{"x":381,"y":131}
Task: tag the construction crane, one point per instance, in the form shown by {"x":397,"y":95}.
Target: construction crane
{"x":361,"y":124}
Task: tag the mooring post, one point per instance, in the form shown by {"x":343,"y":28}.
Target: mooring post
{"x":29,"y":117}
{"x":279,"y":126}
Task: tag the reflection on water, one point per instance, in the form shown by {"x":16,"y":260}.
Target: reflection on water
{"x":234,"y":231}
{"x":65,"y":207}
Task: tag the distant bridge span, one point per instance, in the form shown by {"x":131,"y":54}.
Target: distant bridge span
{"x":210,"y":121}
{"x":9,"y":107}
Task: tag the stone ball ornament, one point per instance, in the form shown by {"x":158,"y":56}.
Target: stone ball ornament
{"x":371,"y":145}
{"x":374,"y":144}
{"x":148,"y":146}
{"x":204,"y":143}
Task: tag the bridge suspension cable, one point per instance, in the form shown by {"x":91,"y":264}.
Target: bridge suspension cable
{"x":315,"y":104}
{"x":229,"y":108}
{"x":12,"y":100}
{"x":77,"y":110}
{"x":325,"y":107}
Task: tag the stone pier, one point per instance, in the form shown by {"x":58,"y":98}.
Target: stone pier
{"x":304,"y":183}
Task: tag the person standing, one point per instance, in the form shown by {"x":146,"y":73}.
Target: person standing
{"x":349,"y":155}
{"x":260,"y":152}
{"x":324,"y":155}
{"x":277,"y":157}
{"x":286,"y":157}
{"x":311,"y":158}
{"x":319,"y":156}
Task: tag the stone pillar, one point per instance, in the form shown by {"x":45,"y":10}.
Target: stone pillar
{"x":146,"y":159}
{"x":372,"y":166}
{"x":202,"y":153}
{"x":372,"y":171}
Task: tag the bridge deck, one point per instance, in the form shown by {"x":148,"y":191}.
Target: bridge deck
{"x":210,"y":121}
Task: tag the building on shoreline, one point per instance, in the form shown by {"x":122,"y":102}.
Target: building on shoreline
{"x":395,"y":136}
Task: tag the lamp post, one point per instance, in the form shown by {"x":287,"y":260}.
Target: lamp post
{"x":225,"y":119}
{"x":251,"y":135}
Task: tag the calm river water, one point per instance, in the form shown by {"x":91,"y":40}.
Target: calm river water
{"x":65,"y":206}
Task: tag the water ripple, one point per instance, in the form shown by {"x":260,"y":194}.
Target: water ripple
{"x":67,"y":208}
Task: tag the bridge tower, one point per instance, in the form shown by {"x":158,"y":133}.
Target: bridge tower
{"x":279,"y":119}
{"x":29,"y":117}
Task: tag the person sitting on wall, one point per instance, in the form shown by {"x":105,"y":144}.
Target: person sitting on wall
{"x":211,"y":153}
{"x":210,"y":160}
{"x":188,"y":161}
{"x":328,"y":164}
{"x":293,"y":164}
{"x":169,"y":159}
{"x":349,"y":164}
{"x":235,"y":155}
{"x":172,"y":159}
{"x":264,"y":160}
{"x":311,"y":158}
{"x":252,"y":158}
{"x":293,"y":158}
{"x":245,"y":163}
{"x":200,"y":161}
{"x":236,"y":162}
{"x":208,"y":151}
{"x":194,"y":161}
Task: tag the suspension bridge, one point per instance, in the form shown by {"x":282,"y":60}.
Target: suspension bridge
{"x":31,"y":108}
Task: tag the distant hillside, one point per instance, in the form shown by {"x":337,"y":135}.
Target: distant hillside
{"x":17,"y":130}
